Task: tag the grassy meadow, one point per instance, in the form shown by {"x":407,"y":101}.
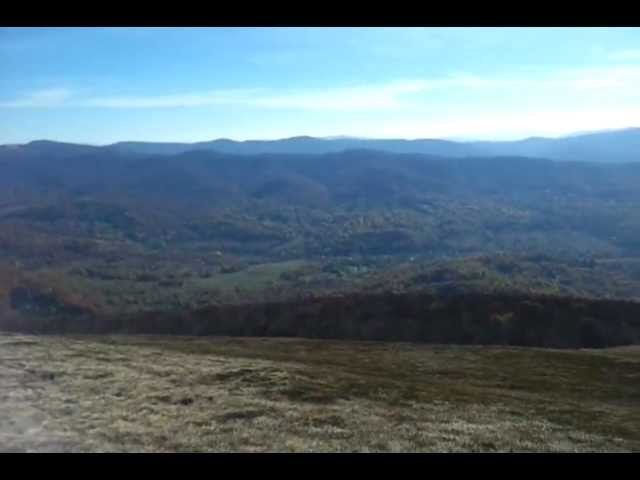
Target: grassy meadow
{"x":221,"y":394}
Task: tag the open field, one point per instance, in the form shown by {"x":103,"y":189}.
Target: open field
{"x":135,"y":393}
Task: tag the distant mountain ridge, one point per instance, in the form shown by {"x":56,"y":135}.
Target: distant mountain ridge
{"x":610,"y":146}
{"x":607,"y":146}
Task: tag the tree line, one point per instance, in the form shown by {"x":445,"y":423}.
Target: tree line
{"x":470,"y":318}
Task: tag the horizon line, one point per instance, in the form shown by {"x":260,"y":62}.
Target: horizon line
{"x":457,"y":139}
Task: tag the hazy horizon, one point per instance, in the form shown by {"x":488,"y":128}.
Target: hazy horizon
{"x":459,"y":139}
{"x":104,"y":85}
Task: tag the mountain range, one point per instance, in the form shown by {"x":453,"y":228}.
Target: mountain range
{"x":293,"y":205}
{"x":137,"y":226}
{"x":609,"y":146}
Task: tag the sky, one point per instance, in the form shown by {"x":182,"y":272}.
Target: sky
{"x":103,"y":85}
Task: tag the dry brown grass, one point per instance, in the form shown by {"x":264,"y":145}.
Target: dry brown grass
{"x":229,"y":394}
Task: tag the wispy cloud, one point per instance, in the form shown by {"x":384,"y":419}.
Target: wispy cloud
{"x":364,"y":97}
{"x":597,"y":78}
{"x":203,"y":99}
{"x":616,"y":77}
{"x":391,"y":96}
{"x":51,"y":97}
{"x":509,"y":125}
{"x":625,"y":55}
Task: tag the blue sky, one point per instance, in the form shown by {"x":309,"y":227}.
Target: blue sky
{"x":102,"y":85}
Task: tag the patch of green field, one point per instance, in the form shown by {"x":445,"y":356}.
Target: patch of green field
{"x":252,"y":278}
{"x":118,"y":290}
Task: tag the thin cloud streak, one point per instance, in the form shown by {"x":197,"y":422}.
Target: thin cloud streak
{"x":51,"y":97}
{"x":626,"y":55}
{"x":396,"y":95}
{"x":366,"y":97}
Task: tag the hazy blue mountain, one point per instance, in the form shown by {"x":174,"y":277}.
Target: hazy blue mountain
{"x":370,"y":176}
{"x":47,"y":149}
{"x":611,"y":146}
{"x":301,"y":145}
